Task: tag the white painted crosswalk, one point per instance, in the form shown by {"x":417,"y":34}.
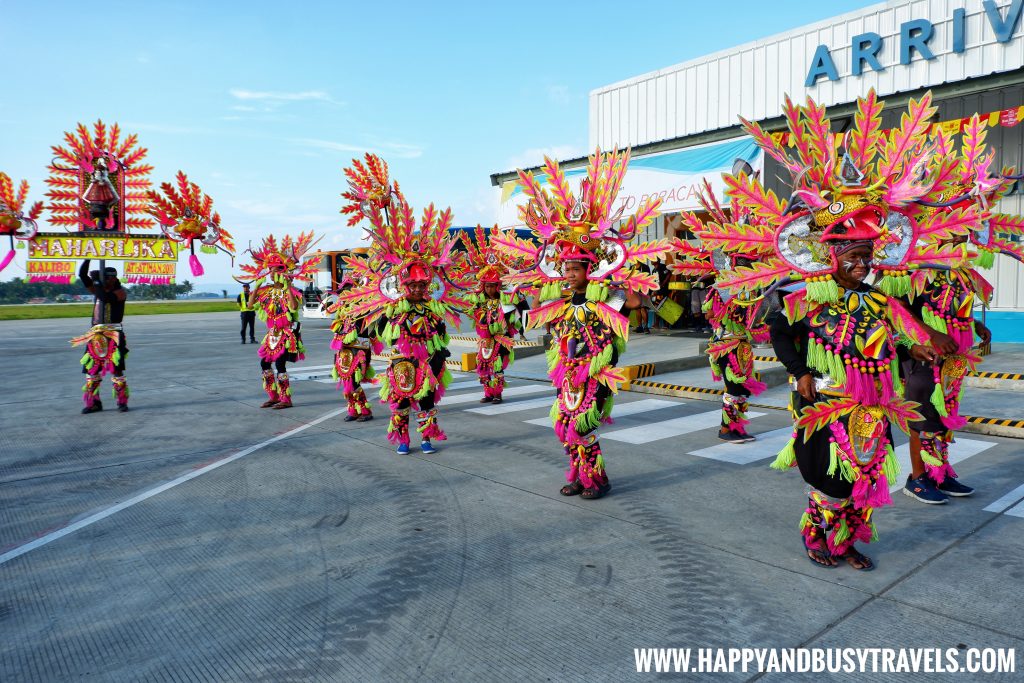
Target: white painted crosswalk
{"x":622,"y":409}
{"x":958,"y":452}
{"x":1012,"y":498}
{"x":513,"y":406}
{"x":538,"y":396}
{"x":765,"y":445}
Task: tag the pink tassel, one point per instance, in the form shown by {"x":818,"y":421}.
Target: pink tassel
{"x":861,"y":490}
{"x":197,"y":267}
{"x":754,"y":386}
{"x":337,"y":344}
{"x":7,"y":259}
{"x":739,"y":426}
{"x":879,"y":496}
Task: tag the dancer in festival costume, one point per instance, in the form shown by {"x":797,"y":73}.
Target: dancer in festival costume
{"x":944,"y":300}
{"x":497,"y":313}
{"x":353,"y":346}
{"x":406,"y":300}
{"x":735,"y":319}
{"x":584,"y":252}
{"x":837,"y":336}
{"x":105,"y":347}
{"x":277,"y":302}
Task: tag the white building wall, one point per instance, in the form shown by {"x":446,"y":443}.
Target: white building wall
{"x":750,"y":80}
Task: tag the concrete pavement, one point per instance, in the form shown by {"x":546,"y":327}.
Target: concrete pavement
{"x":217,"y":541}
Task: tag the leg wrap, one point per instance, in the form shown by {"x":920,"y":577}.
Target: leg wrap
{"x":398,"y":428}
{"x":734,"y":413}
{"x":91,"y":390}
{"x":837,"y":522}
{"x":352,"y":403}
{"x":361,"y":404}
{"x":270,"y":384}
{"x":426,"y":425}
{"x":284,"y":389}
{"x":586,"y":463}
{"x":120,"y":390}
{"x":935,"y":454}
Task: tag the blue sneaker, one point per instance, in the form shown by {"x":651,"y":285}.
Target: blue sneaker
{"x":923,"y":489}
{"x":951,"y":487}
{"x":427,"y":448}
{"x":403,"y":449}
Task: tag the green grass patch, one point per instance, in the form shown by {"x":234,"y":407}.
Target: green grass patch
{"x":36,"y":311}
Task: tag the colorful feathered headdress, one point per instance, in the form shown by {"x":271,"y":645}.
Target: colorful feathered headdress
{"x":485,"y":258}
{"x":185,"y":214}
{"x":98,"y":181}
{"x":284,"y":258}
{"x":14,"y":222}
{"x":872,"y":192}
{"x":584,"y":226}
{"x":401,"y":250}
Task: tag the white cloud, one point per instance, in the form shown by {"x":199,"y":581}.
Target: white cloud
{"x":392,"y":149}
{"x":559,"y":94}
{"x":534,"y":156}
{"x":271,"y":96}
{"x":480,"y":207}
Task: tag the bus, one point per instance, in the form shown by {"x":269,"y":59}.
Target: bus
{"x":322,"y":291}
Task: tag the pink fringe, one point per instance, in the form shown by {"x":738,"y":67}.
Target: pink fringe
{"x":337,"y":344}
{"x":434,"y":433}
{"x":939,"y":474}
{"x":739,"y":426}
{"x":195,"y":265}
{"x":754,"y":386}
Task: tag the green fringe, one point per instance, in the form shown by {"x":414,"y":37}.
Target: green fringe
{"x":823,"y":291}
{"x":930,"y":459}
{"x":897,"y":382}
{"x":385,"y":388}
{"x":208,"y":249}
{"x":874,"y":531}
{"x":833,"y":459}
{"x":890,"y":466}
{"x":511,"y":357}
{"x":87,"y":360}
{"x":608,"y":404}
{"x":620,"y":345}
{"x":933,"y":321}
{"x":599,"y":462}
{"x":732,"y":376}
{"x":350,"y":337}
{"x":847,"y":469}
{"x":554,"y":412}
{"x":601,"y":360}
{"x":334,"y":373}
{"x":116,"y":358}
{"x":894,"y":285}
{"x":986,"y":258}
{"x":842,"y":532}
{"x":404,"y":306}
{"x":424,"y":390}
{"x":446,"y":378}
{"x":938,"y":400}
{"x":588,"y":421}
{"x":786,"y":457}
{"x":370,"y":373}
{"x":552,"y":358}
{"x":805,"y":521}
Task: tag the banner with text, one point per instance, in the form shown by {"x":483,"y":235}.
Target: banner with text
{"x":120,"y":248}
{"x":676,"y":176}
{"x":149,"y":272}
{"x":50,"y":271}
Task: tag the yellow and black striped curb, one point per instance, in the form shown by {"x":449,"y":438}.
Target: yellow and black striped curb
{"x":996,"y":375}
{"x":518,"y":343}
{"x":654,"y":387}
{"x":995,"y":421}
{"x":976,"y":373}
{"x":641,"y":370}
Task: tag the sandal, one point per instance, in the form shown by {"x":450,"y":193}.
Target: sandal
{"x":820,"y":557}
{"x":854,"y":557}
{"x":573,"y":489}
{"x":597,"y":492}
{"x":269,"y":404}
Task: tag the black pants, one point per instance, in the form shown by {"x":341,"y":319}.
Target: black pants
{"x":280,"y":364}
{"x":249,"y":320}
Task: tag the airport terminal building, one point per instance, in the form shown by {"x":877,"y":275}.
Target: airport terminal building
{"x":681,"y":121}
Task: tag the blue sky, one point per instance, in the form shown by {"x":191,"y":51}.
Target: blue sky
{"x":264,"y":103}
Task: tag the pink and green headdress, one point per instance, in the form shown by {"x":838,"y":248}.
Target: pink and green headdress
{"x":281,"y":260}
{"x":584,"y":226}
{"x":485,"y":259}
{"x":868,"y":194}
{"x":186,"y":215}
{"x":402,"y":249}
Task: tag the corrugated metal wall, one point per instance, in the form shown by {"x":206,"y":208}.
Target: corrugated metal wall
{"x":750,"y":80}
